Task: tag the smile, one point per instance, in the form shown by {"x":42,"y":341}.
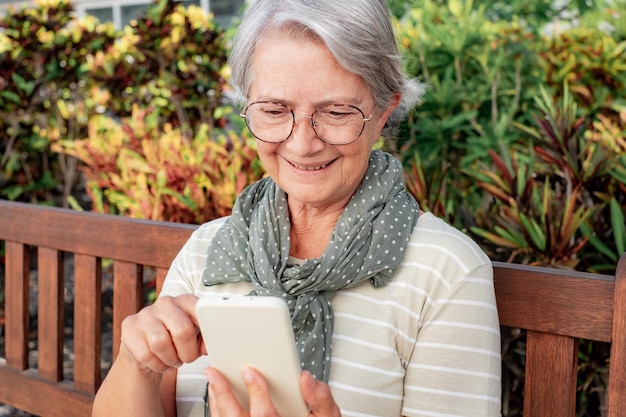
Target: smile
{"x":310,"y":168}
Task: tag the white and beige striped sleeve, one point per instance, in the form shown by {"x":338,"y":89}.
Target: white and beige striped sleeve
{"x":454,"y":366}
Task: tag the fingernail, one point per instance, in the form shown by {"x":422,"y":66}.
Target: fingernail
{"x":311,"y":379}
{"x":247,"y":375}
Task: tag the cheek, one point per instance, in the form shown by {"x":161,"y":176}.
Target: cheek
{"x":266,"y":154}
{"x":380,"y":120}
{"x":265,"y":149}
{"x":371,"y":135}
{"x":357,"y":158}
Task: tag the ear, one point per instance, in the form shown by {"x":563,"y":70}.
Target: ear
{"x":394,"y":102}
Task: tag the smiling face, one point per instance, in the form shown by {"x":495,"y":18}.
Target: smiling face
{"x":305,"y":76}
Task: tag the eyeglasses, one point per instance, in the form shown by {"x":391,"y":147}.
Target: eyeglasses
{"x":335,"y":124}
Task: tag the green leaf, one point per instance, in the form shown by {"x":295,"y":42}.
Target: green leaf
{"x":456,"y":7}
{"x":13,"y":192}
{"x":161,"y":179}
{"x":186,"y":201}
{"x":618,"y":52}
{"x":26,"y":86}
{"x":619,"y":229}
{"x":597,"y":243}
{"x":619,"y":170}
{"x":10,"y":96}
{"x":73,"y":203}
{"x":96,"y":196}
{"x":454,"y":122}
{"x":534,"y":231}
{"x":37,"y":143}
{"x":508,"y":235}
{"x":493,"y":238}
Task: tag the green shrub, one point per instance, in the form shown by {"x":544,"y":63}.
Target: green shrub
{"x":172,"y":59}
{"x":139,"y":168}
{"x":479,"y":79}
{"x":62,"y":75}
{"x":43,"y":80}
{"x":521,"y":142}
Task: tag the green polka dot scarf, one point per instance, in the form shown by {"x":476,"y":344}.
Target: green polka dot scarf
{"x":367,"y":243}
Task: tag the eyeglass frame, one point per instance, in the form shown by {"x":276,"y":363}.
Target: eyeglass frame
{"x":294,"y":117}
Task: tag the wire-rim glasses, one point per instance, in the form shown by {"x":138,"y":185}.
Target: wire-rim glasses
{"x":335,"y":124}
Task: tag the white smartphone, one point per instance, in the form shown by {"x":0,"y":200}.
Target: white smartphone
{"x":256,"y":332}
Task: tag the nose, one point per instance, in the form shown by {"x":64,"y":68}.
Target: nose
{"x":309,"y":128}
{"x":305,"y":117}
{"x":304,"y":135}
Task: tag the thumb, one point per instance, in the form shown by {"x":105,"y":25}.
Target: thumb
{"x":318,"y":396}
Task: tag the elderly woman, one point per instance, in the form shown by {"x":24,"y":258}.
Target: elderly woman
{"x":396,"y":310}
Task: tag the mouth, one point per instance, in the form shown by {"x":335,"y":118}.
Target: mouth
{"x":310,"y":167}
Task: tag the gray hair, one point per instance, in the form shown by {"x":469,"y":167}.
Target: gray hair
{"x":358,"y":33}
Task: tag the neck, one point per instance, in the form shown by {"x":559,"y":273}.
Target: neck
{"x":311,"y":229}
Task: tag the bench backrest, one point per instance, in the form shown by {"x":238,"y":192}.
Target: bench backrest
{"x":556,"y":307}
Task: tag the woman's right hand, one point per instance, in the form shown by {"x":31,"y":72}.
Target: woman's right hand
{"x":223,"y":403}
{"x":164,"y":335}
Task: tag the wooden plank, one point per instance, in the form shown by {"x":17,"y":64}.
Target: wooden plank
{"x":127,"y":296}
{"x":87,"y":322}
{"x":144,"y":242}
{"x":580,"y":304}
{"x":617,"y":366}
{"x":161,"y":273}
{"x":50,"y":318}
{"x":26,"y":391}
{"x":16,"y":305}
{"x":550,"y":382}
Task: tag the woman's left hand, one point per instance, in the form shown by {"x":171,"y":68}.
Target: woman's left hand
{"x":223,"y":403}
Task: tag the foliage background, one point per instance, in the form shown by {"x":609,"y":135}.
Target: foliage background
{"x":520,"y":142}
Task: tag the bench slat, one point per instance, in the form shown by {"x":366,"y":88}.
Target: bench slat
{"x":127,"y":296}
{"x":550,"y":385}
{"x":617,"y":368}
{"x":50,"y":314}
{"x":87,"y":322}
{"x":16,"y":305}
{"x":161,"y":273}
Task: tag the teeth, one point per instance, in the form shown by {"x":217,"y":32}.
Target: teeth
{"x":315,"y":168}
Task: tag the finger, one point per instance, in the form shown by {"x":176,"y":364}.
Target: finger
{"x":222,"y":401}
{"x":318,"y":396}
{"x":187,"y":303}
{"x":135,"y":342}
{"x":167,"y":331}
{"x":258,"y":392}
{"x":215,"y":412}
{"x":162,"y":336}
{"x":179,"y":317}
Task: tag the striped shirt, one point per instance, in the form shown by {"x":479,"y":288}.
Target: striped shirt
{"x":425,"y":345}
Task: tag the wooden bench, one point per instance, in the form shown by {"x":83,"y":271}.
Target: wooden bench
{"x":557,"y":308}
